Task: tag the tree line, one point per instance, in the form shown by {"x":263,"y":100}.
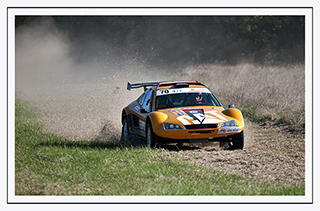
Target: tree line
{"x":186,"y":39}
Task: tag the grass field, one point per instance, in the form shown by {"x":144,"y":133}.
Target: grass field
{"x":46,"y":164}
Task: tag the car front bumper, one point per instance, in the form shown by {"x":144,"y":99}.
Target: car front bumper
{"x":207,"y":133}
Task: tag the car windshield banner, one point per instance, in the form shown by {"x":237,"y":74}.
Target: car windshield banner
{"x":182,"y":90}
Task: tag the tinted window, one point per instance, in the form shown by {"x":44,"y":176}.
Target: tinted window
{"x":141,"y":98}
{"x":147,"y":100}
{"x":186,"y":99}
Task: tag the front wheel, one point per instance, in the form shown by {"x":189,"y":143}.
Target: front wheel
{"x":237,"y":141}
{"x":151,"y":137}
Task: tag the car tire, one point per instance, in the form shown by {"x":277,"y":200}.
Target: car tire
{"x":151,"y":137}
{"x":125,"y":133}
{"x":237,"y":141}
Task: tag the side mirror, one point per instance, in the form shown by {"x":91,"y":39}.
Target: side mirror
{"x":142,"y":110}
{"x":231,"y":106}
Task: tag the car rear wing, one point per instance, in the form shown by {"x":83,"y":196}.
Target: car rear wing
{"x":145,"y":85}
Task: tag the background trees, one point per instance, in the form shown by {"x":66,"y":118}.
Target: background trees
{"x":178,"y":40}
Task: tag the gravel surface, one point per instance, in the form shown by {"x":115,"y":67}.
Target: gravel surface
{"x":272,"y":152}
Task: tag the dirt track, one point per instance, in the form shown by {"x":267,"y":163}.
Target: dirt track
{"x":272,"y":152}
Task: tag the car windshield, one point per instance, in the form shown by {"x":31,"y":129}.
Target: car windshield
{"x":188,"y":97}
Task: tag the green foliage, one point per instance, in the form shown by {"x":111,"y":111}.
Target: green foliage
{"x":49,"y":165}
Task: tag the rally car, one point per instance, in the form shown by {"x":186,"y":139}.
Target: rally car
{"x":180,"y":112}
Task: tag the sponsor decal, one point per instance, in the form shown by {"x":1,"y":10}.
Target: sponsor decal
{"x":229,"y":130}
{"x":142,"y":125}
{"x":208,"y":117}
{"x":215,"y":114}
{"x":137,"y":108}
{"x":196,"y":114}
{"x":179,"y":113}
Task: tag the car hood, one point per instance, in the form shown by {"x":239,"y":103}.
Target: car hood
{"x":195,"y":115}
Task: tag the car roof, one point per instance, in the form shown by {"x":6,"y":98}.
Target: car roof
{"x":179,"y":84}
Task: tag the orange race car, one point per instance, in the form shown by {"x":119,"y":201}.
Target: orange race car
{"x":180,"y":112}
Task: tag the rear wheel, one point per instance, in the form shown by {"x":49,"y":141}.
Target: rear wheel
{"x":237,"y":141}
{"x":125,"y":134}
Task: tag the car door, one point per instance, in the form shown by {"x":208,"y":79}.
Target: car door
{"x":145,"y":109}
{"x":140,"y":112}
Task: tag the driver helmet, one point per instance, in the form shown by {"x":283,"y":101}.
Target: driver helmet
{"x":199,"y":97}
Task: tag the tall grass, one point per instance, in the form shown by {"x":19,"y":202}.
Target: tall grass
{"x":261,"y":92}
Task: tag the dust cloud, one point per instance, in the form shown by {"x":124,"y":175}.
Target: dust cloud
{"x":77,"y":100}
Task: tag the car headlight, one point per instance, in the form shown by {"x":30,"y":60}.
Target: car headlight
{"x":230,"y":123}
{"x":171,"y":126}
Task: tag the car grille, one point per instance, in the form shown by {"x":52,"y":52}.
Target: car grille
{"x":201,"y":131}
{"x":201,"y":126}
